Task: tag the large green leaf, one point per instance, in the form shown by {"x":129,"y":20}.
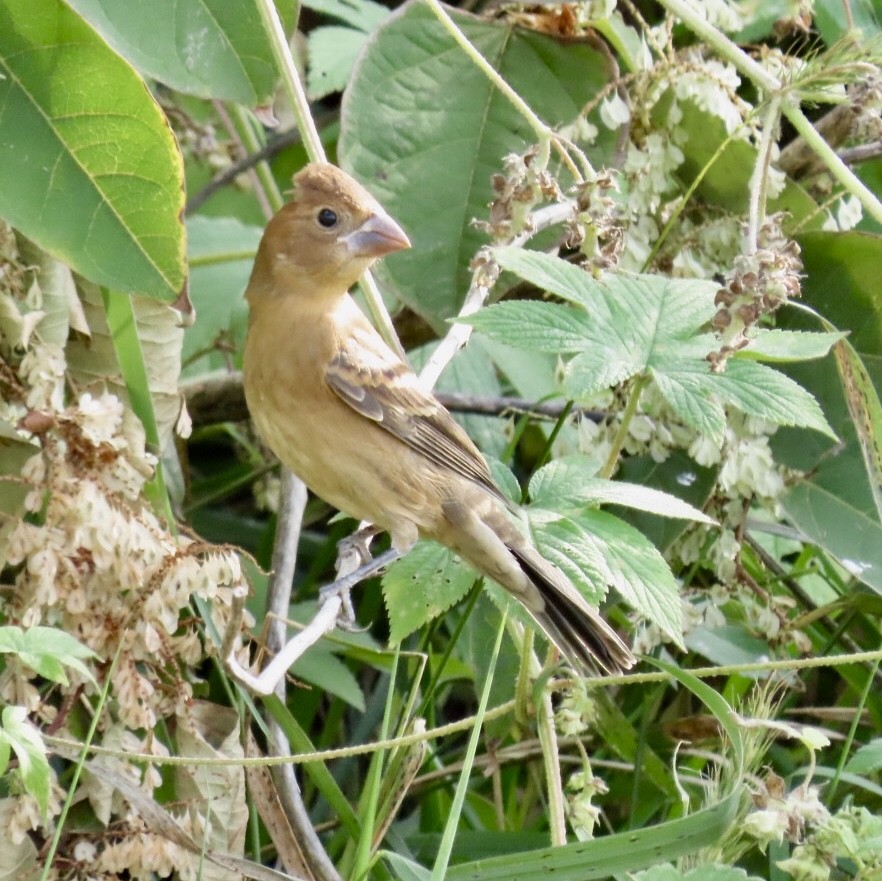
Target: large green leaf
{"x":89,"y":168}
{"x":425,"y":129}
{"x":210,"y":48}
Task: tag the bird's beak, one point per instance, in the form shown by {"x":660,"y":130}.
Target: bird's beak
{"x":377,"y":236}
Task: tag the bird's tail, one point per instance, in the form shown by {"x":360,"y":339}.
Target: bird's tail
{"x":574,"y":626}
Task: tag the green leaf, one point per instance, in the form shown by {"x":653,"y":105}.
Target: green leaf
{"x":323,"y":669}
{"x":210,"y":48}
{"x":868,"y":759}
{"x":332,"y":53}
{"x":727,"y":182}
{"x":422,"y":585}
{"x":789,"y":345}
{"x":567,"y":485}
{"x":691,"y":398}
{"x":362,"y":14}
{"x":422,"y":126}
{"x":46,"y":651}
{"x":634,"y":324}
{"x":826,"y":516}
{"x":404,"y":869}
{"x":556,"y":276}
{"x":539,"y":327}
{"x":562,"y":542}
{"x":729,"y":645}
{"x":836,"y":506}
{"x":610,"y":855}
{"x":596,"y":549}
{"x":763,"y":392}
{"x":639,"y":572}
{"x":33,"y":766}
{"x":89,"y":168}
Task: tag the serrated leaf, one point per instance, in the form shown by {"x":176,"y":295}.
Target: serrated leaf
{"x":596,"y":549}
{"x":567,"y":484}
{"x":210,"y":48}
{"x":539,"y":327}
{"x":562,"y":542}
{"x":606,"y":551}
{"x":868,"y":758}
{"x":559,"y":277}
{"x":693,"y":402}
{"x":422,"y":126}
{"x":763,"y":392}
{"x":639,"y":324}
{"x":640,"y":573}
{"x":783,"y":346}
{"x":89,"y":168}
{"x":596,"y":369}
{"x":422,"y":585}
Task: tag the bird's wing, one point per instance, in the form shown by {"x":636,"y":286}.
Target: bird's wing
{"x":378,"y":385}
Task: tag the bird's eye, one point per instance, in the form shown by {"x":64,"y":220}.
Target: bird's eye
{"x":327,"y":218}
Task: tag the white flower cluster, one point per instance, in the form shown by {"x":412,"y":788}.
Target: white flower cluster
{"x":90,"y":557}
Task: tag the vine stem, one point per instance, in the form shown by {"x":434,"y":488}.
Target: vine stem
{"x":65,"y":745}
{"x":622,"y":433}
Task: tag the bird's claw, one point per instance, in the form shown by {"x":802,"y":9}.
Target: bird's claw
{"x":346,"y":615}
{"x":342,"y":587}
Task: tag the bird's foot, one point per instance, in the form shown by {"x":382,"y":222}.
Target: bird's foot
{"x":342,"y":587}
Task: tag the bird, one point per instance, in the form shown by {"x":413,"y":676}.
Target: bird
{"x":348,"y":416}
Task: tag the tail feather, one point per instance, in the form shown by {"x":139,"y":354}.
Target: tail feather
{"x":577,"y":629}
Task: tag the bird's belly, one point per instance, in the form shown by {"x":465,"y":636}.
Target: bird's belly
{"x":357,"y":473}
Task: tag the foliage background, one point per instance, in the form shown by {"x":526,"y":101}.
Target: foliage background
{"x":141,"y":150}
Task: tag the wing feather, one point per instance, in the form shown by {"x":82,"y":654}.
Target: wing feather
{"x":379,"y":386}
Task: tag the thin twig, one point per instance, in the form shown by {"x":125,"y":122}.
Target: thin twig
{"x":218,"y":397}
{"x":275,"y":144}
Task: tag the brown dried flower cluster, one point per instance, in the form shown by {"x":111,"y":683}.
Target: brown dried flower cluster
{"x":522,"y":186}
{"x":758,"y":285}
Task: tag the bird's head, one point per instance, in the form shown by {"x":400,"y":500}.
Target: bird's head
{"x":326,"y":237}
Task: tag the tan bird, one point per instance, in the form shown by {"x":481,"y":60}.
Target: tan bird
{"x":352,"y":420}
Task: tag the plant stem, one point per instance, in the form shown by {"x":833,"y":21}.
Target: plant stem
{"x":834,"y":164}
{"x":622,"y":433}
{"x":756,"y":211}
{"x":316,"y":152}
{"x":543,"y":132}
